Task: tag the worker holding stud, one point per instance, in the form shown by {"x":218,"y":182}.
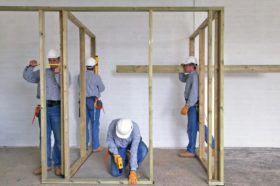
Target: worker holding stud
{"x":53,"y":116}
{"x":94,"y":87}
{"x":124,"y":140}
{"x":191,"y":105}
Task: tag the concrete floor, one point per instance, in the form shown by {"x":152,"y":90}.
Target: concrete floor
{"x":243,"y":166}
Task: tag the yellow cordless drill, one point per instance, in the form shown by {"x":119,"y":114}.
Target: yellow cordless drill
{"x":120,"y":164}
{"x":117,"y":160}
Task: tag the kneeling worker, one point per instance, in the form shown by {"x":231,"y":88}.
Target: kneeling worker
{"x":124,"y":135}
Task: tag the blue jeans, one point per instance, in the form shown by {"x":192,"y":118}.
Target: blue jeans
{"x":193,"y":127}
{"x":93,"y":115}
{"x":141,"y":154}
{"x":53,"y":125}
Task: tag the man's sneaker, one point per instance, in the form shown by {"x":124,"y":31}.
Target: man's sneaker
{"x":186,"y":155}
{"x":39,"y":170}
{"x":58,"y":170}
{"x":99,"y":149}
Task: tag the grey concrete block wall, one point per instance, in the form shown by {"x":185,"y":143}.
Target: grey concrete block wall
{"x":251,"y":100}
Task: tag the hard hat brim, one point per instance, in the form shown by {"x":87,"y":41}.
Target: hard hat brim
{"x":123,"y":136}
{"x":190,"y":64}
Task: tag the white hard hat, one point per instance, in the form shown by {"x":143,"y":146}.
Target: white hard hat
{"x":52,"y":54}
{"x":190,"y":60}
{"x":124,"y":128}
{"x":90,"y":62}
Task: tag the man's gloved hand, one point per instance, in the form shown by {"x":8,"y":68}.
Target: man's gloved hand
{"x":184,"y":110}
{"x":116,"y":157}
{"x":132,"y":177}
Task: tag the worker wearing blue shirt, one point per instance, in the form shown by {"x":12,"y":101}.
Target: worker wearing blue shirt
{"x":124,"y":135}
{"x":53,"y":106}
{"x":94,"y":87}
{"x":191,"y":97}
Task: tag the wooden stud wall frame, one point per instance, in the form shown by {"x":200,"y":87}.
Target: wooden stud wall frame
{"x":216,"y":172}
{"x":214,"y":13}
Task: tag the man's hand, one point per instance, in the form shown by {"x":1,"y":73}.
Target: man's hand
{"x":33,"y":63}
{"x":57,"y":70}
{"x":183,"y":66}
{"x":184,"y":110}
{"x":132,"y":177}
{"x":116,"y":157}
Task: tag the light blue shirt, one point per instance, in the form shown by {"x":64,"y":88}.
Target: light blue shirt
{"x":94,"y":84}
{"x":191,"y":88}
{"x":134,"y":139}
{"x":52,"y":82}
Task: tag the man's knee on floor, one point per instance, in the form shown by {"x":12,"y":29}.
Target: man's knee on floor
{"x":115,"y":173}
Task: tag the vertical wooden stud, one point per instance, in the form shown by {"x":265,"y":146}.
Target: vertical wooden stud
{"x":65,"y":95}
{"x":43,"y":95}
{"x":92,"y":47}
{"x":221,"y":95}
{"x":216,"y":97}
{"x":210,"y":17}
{"x":201,"y":93}
{"x":93,"y":54}
{"x":192,"y":47}
{"x":151,"y":94}
{"x":82,"y":94}
{"x":61,"y":95}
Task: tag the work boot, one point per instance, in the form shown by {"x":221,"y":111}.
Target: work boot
{"x":186,"y":155}
{"x":58,"y":170}
{"x":99,"y":149}
{"x":39,"y":170}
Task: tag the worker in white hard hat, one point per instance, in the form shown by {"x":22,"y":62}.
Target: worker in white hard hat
{"x":191,"y":104}
{"x":94,"y":87}
{"x":124,"y":137}
{"x":53,"y":106}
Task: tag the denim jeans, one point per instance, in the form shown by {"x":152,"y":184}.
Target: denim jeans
{"x":193,"y":127}
{"x":93,"y":115}
{"x":141,"y":154}
{"x":53,"y":125}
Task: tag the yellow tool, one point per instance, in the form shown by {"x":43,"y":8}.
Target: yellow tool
{"x":49,"y":64}
{"x":96,"y":66}
{"x":120,"y":164}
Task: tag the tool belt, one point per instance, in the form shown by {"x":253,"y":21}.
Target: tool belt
{"x":51,"y":103}
{"x":97,"y":102}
